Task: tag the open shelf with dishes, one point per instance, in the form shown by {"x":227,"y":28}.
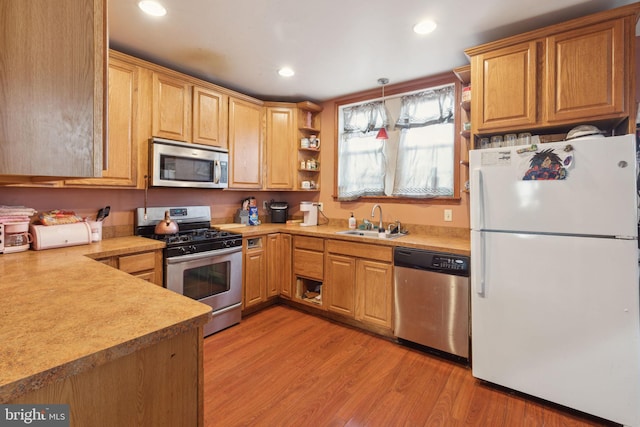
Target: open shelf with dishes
{"x":466,"y":140}
{"x":308,"y":173}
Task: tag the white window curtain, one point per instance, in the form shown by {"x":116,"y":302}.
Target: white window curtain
{"x":361,"y":160}
{"x":424,"y":165}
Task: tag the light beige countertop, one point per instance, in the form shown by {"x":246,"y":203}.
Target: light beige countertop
{"x":62,"y":313}
{"x":428,"y":239}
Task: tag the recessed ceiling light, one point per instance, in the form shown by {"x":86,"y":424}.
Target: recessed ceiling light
{"x":152,"y":8}
{"x":286,"y":72}
{"x":424,"y":27}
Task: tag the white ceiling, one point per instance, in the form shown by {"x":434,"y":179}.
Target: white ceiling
{"x":336,"y":47}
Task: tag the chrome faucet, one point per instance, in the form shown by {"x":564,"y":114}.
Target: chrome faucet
{"x":380,"y":226}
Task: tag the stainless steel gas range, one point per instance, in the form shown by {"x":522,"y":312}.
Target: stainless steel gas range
{"x":200,"y":262}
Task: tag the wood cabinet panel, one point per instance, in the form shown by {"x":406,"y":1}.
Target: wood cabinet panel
{"x":255,"y":269}
{"x":171,"y":112}
{"x":138,"y":386}
{"x":504,"y":86}
{"x":138,"y":262}
{"x":551,"y":79}
{"x":586,"y":72}
{"x":144,"y":265}
{"x":53,"y":58}
{"x":279,"y":147}
{"x":340,"y":284}
{"x":279,"y":274}
{"x":308,"y":263}
{"x":311,"y":243}
{"x":286,"y":262}
{"x":375,"y":293}
{"x":121,"y":155}
{"x":245,"y":144}
{"x":210,"y":117}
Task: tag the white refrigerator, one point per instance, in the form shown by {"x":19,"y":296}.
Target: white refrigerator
{"x":554,"y":273}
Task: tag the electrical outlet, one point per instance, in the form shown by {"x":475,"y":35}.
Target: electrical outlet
{"x":448,"y":215}
{"x":320,"y":206}
{"x":265,"y":204}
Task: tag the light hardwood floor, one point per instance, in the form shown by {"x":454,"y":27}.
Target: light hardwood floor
{"x":283,"y":367}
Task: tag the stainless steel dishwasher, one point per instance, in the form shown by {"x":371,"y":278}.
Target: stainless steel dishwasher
{"x":431,"y":292}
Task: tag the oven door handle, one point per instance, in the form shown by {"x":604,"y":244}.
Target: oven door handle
{"x":202,"y":255}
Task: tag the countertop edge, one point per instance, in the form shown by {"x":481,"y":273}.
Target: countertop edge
{"x":11,"y":391}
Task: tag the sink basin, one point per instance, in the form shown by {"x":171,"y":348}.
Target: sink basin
{"x":369,"y":233}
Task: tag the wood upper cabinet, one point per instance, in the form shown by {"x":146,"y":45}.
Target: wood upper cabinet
{"x":576,"y":72}
{"x":171,"y":108}
{"x":53,"y":57}
{"x":121,"y":155}
{"x":504,"y":87}
{"x":210,"y":112}
{"x":586,"y":72}
{"x":280,"y":150}
{"x":245,"y":144}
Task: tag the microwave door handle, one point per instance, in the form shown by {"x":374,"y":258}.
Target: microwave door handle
{"x":217,"y":171}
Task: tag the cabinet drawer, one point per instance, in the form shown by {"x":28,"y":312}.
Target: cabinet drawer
{"x":308,"y":263}
{"x":149,"y":276}
{"x":360,"y":250}
{"x":138,"y":262}
{"x":311,"y":243}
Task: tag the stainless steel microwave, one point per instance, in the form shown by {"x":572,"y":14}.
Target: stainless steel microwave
{"x":180,"y":164}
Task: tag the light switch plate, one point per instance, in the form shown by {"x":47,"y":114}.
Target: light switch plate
{"x":448,"y":215}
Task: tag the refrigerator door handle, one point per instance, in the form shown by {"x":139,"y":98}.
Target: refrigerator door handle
{"x":480,"y":273}
{"x":477,"y":200}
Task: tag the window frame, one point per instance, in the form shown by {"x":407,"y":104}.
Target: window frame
{"x":399,"y":89}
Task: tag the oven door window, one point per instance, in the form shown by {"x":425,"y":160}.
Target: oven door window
{"x":207,"y":280}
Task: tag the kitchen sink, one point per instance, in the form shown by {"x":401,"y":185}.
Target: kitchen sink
{"x":370,"y":233}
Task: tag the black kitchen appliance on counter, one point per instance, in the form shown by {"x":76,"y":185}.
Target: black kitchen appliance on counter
{"x":279,"y":212}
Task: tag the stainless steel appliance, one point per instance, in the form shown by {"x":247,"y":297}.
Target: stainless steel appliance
{"x":200,"y":262}
{"x":431,"y":292}
{"x":179,"y":164}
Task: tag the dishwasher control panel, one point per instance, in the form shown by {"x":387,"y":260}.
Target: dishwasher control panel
{"x":431,"y":261}
{"x":450,"y":263}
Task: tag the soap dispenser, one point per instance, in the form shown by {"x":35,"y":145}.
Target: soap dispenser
{"x":352,"y":221}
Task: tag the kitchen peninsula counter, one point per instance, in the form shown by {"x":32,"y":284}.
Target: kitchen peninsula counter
{"x":64,"y":315}
{"x":439,"y":239}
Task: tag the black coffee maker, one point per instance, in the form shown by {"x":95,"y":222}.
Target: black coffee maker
{"x":279,"y":212}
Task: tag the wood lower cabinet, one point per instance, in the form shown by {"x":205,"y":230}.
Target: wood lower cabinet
{"x":308,"y":270}
{"x":359,"y":282}
{"x":374,"y":288}
{"x":245,"y":144}
{"x":340,"y":291}
{"x":147,"y":265}
{"x":279,"y":265}
{"x":158,"y":385}
{"x":254,"y":271}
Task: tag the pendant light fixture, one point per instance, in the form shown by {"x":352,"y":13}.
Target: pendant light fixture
{"x":382,"y":133}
